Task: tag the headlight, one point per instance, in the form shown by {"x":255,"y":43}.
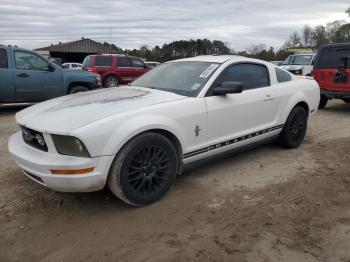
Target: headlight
{"x":98,"y":80}
{"x":34,"y":138}
{"x":69,"y":145}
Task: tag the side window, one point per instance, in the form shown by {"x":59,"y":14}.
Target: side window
{"x":3,"y":59}
{"x":74,"y":65}
{"x":65,"y":66}
{"x":123,"y":62}
{"x":29,"y":61}
{"x":103,"y":61}
{"x":250,"y":75}
{"x":282,"y":76}
{"x":137,"y":63}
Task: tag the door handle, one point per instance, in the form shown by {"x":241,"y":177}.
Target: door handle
{"x":269,"y":98}
{"x":22,"y":75}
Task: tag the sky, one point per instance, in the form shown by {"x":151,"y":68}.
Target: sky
{"x":133,"y":23}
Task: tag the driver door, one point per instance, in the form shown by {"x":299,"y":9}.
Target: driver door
{"x":235,"y":120}
{"x":34,"y":82}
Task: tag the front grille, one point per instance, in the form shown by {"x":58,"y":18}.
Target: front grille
{"x":34,"y":138}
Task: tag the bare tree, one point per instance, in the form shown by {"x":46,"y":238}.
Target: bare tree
{"x":332,"y":30}
{"x":307,"y":36}
{"x":254,"y":49}
{"x":295,"y":39}
{"x":319,"y":36}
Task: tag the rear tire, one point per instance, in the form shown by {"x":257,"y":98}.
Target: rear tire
{"x":78,"y":89}
{"x":323,"y":102}
{"x":143,"y":170}
{"x":294,"y":130}
{"x":111,"y":81}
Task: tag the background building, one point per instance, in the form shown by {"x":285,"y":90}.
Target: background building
{"x":76,"y":51}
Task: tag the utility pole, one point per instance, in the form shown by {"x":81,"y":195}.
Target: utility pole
{"x":110,"y":34}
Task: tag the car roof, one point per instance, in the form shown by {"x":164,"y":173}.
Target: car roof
{"x":115,"y":55}
{"x":336,"y":45}
{"x":303,"y":54}
{"x":219,"y":59}
{"x":120,"y":55}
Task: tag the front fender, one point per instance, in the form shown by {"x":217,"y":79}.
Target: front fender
{"x":71,"y":76}
{"x":137,"y":125}
{"x":112,"y":137}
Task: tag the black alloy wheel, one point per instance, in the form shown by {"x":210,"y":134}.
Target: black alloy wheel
{"x":294,"y":130}
{"x":149,"y":170}
{"x":297,"y":128}
{"x":144,"y":169}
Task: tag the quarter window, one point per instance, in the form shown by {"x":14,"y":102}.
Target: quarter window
{"x":103,"y":61}
{"x":137,"y":63}
{"x":30,"y":61}
{"x":3,"y":59}
{"x":123,"y":62}
{"x":283,"y":76}
{"x":250,"y":75}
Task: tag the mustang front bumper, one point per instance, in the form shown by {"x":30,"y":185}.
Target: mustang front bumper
{"x":38,"y":164}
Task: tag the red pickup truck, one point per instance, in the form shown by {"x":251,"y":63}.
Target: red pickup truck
{"x":332,"y":72}
{"x":115,"y":69}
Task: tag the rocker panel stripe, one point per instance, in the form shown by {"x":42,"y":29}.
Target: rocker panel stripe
{"x":231,"y":141}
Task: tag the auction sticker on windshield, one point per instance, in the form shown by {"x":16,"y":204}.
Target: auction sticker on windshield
{"x":208,"y":71}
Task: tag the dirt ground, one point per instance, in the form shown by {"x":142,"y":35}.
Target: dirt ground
{"x":269,"y":204}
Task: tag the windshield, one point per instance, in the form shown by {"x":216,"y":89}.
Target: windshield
{"x":298,"y":60}
{"x":184,"y":78}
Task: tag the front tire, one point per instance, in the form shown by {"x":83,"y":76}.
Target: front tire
{"x":111,"y":81}
{"x":143,"y":170}
{"x":323,"y":102}
{"x":78,"y":89}
{"x":294,"y":131}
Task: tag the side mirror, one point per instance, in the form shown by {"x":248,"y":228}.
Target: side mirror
{"x":228,"y":88}
{"x":50,"y":67}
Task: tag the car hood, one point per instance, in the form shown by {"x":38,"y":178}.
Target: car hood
{"x":292,"y":67}
{"x":64,"y":114}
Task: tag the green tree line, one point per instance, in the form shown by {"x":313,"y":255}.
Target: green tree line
{"x":181,"y":49}
{"x":311,"y":38}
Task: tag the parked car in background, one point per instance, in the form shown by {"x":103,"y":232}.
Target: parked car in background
{"x":152,"y":64}
{"x":73,"y":66}
{"x":115,"y":70}
{"x":277,"y":63}
{"x":299,"y":64}
{"x":332,"y":72}
{"x":137,"y":138}
{"x":25,"y":76}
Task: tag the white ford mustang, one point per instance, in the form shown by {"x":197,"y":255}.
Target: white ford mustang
{"x":137,"y":138}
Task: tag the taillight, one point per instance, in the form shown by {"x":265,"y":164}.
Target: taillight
{"x":92,"y":69}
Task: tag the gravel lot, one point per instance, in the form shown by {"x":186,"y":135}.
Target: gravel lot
{"x":269,"y":204}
